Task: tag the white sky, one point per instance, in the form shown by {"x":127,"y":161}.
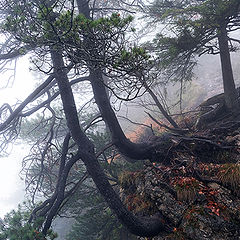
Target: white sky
{"x":11,"y":186}
{"x":22,"y":85}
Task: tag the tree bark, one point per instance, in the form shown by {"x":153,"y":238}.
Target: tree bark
{"x":139,"y":226}
{"x":125,"y":146}
{"x":230,"y":92}
{"x":132,"y":150}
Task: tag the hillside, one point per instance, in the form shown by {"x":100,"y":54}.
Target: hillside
{"x":200,"y":200}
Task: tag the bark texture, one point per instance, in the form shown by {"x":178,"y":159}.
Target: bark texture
{"x":141,"y":226}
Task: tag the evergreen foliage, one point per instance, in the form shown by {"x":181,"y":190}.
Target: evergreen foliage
{"x":15,"y":226}
{"x":197,"y":28}
{"x":84,"y":46}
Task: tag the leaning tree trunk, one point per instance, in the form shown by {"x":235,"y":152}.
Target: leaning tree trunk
{"x":230,"y":91}
{"x":130,"y":149}
{"x":141,"y":226}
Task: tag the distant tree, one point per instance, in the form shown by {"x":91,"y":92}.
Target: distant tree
{"x":197,"y":28}
{"x":94,"y":220}
{"x":15,"y":226}
{"x":97,"y":221}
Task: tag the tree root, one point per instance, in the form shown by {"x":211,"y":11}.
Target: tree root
{"x":214,"y":109}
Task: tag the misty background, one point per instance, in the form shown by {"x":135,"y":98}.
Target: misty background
{"x":207,"y":82}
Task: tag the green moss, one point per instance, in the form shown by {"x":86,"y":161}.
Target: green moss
{"x":229,"y":175}
{"x":186,"y":188}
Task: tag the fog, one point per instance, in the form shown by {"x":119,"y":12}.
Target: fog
{"x":206,"y":83}
{"x":13,"y":90}
{"x":11,"y":185}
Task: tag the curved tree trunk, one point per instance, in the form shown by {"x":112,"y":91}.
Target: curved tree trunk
{"x":125,"y":146}
{"x":139,"y":226}
{"x":136,"y":151}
